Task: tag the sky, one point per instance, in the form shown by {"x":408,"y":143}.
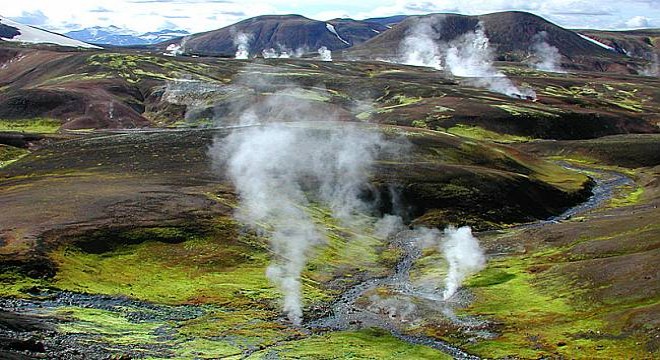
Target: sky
{"x":203,"y":15}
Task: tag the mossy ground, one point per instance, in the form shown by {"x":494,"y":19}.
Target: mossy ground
{"x":479,"y":133}
{"x":365,"y":344}
{"x":540,"y":319}
{"x":9,"y":154}
{"x":37,"y":125}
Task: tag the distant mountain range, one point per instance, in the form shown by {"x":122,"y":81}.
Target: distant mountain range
{"x":283,"y":33}
{"x":17,"y":32}
{"x":113,"y":35}
{"x":511,"y":36}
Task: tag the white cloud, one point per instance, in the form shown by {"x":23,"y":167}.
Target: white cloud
{"x":638,"y":22}
{"x":202,"y":15}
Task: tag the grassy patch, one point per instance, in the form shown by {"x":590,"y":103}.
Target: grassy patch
{"x":631,"y":196}
{"x":479,"y":133}
{"x":196,"y":272}
{"x":10,"y":154}
{"x":36,"y":125}
{"x":365,"y":344}
{"x":540,"y":319}
{"x":206,"y":349}
{"x":13,"y":284}
{"x":112,"y":327}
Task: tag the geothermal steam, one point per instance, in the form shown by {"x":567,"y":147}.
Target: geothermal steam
{"x":242,"y":43}
{"x":325,"y":54}
{"x":274,"y":54}
{"x":547,"y":56}
{"x":469,"y":56}
{"x":464,"y":256}
{"x":653,"y":68}
{"x":280,"y":169}
{"x":419,"y":47}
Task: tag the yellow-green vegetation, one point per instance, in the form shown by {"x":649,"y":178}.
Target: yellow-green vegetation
{"x":397,"y":101}
{"x":477,"y":132}
{"x":10,"y":154}
{"x":246,"y":327}
{"x":14,"y":284}
{"x":74,"y":77}
{"x":420,"y":124}
{"x":541,"y":318}
{"x":526,"y":110}
{"x":365,"y":344}
{"x":35,"y":125}
{"x":350,"y":249}
{"x":134,"y":68}
{"x":206,"y":349}
{"x":306,"y":94}
{"x":175,"y":269}
{"x":622,"y":95}
{"x":629,"y":195}
{"x":186,"y":123}
{"x":114,"y":328}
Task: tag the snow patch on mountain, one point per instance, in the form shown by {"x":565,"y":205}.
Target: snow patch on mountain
{"x":29,"y":34}
{"x":332,"y":29}
{"x":597,"y":42}
{"x":114,"y":35}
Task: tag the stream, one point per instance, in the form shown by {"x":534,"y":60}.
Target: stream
{"x":393,"y":313}
{"x":345,"y":314}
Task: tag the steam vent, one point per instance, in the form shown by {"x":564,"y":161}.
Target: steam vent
{"x":204,"y":180}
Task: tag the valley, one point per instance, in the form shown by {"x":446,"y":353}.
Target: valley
{"x":197,"y":206}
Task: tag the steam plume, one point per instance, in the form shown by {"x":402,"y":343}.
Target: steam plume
{"x":471,"y":56}
{"x":420,"y":48}
{"x":464,"y":255}
{"x":325,"y":54}
{"x":242,"y":43}
{"x":547,"y":56}
{"x":177,"y":49}
{"x":274,"y":54}
{"x":468,"y":56}
{"x":653,"y":69}
{"x":278,"y":169}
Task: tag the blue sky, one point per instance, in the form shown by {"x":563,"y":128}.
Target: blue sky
{"x":202,"y":15}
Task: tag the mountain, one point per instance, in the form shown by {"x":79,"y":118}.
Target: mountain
{"x":17,"y":32}
{"x":641,"y":43}
{"x":113,"y":35}
{"x":155,"y":37}
{"x":388,"y":21}
{"x":283,"y":32}
{"x":511,"y":34}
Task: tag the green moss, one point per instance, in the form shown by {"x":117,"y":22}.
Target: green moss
{"x":75,"y":77}
{"x":476,"y":132}
{"x":365,"y":344}
{"x":538,"y":319}
{"x":207,"y":349}
{"x":398,"y":101}
{"x":526,"y":110}
{"x":10,"y":154}
{"x":623,"y":96}
{"x":248,"y":328}
{"x":198,"y":271}
{"x":630,"y":197}
{"x":14,"y":284}
{"x":171,"y":265}
{"x":35,"y":125}
{"x":420,"y":124}
{"x":350,"y":249}
{"x":111,"y":327}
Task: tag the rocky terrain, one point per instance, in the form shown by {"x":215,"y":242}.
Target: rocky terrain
{"x":125,"y":236}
